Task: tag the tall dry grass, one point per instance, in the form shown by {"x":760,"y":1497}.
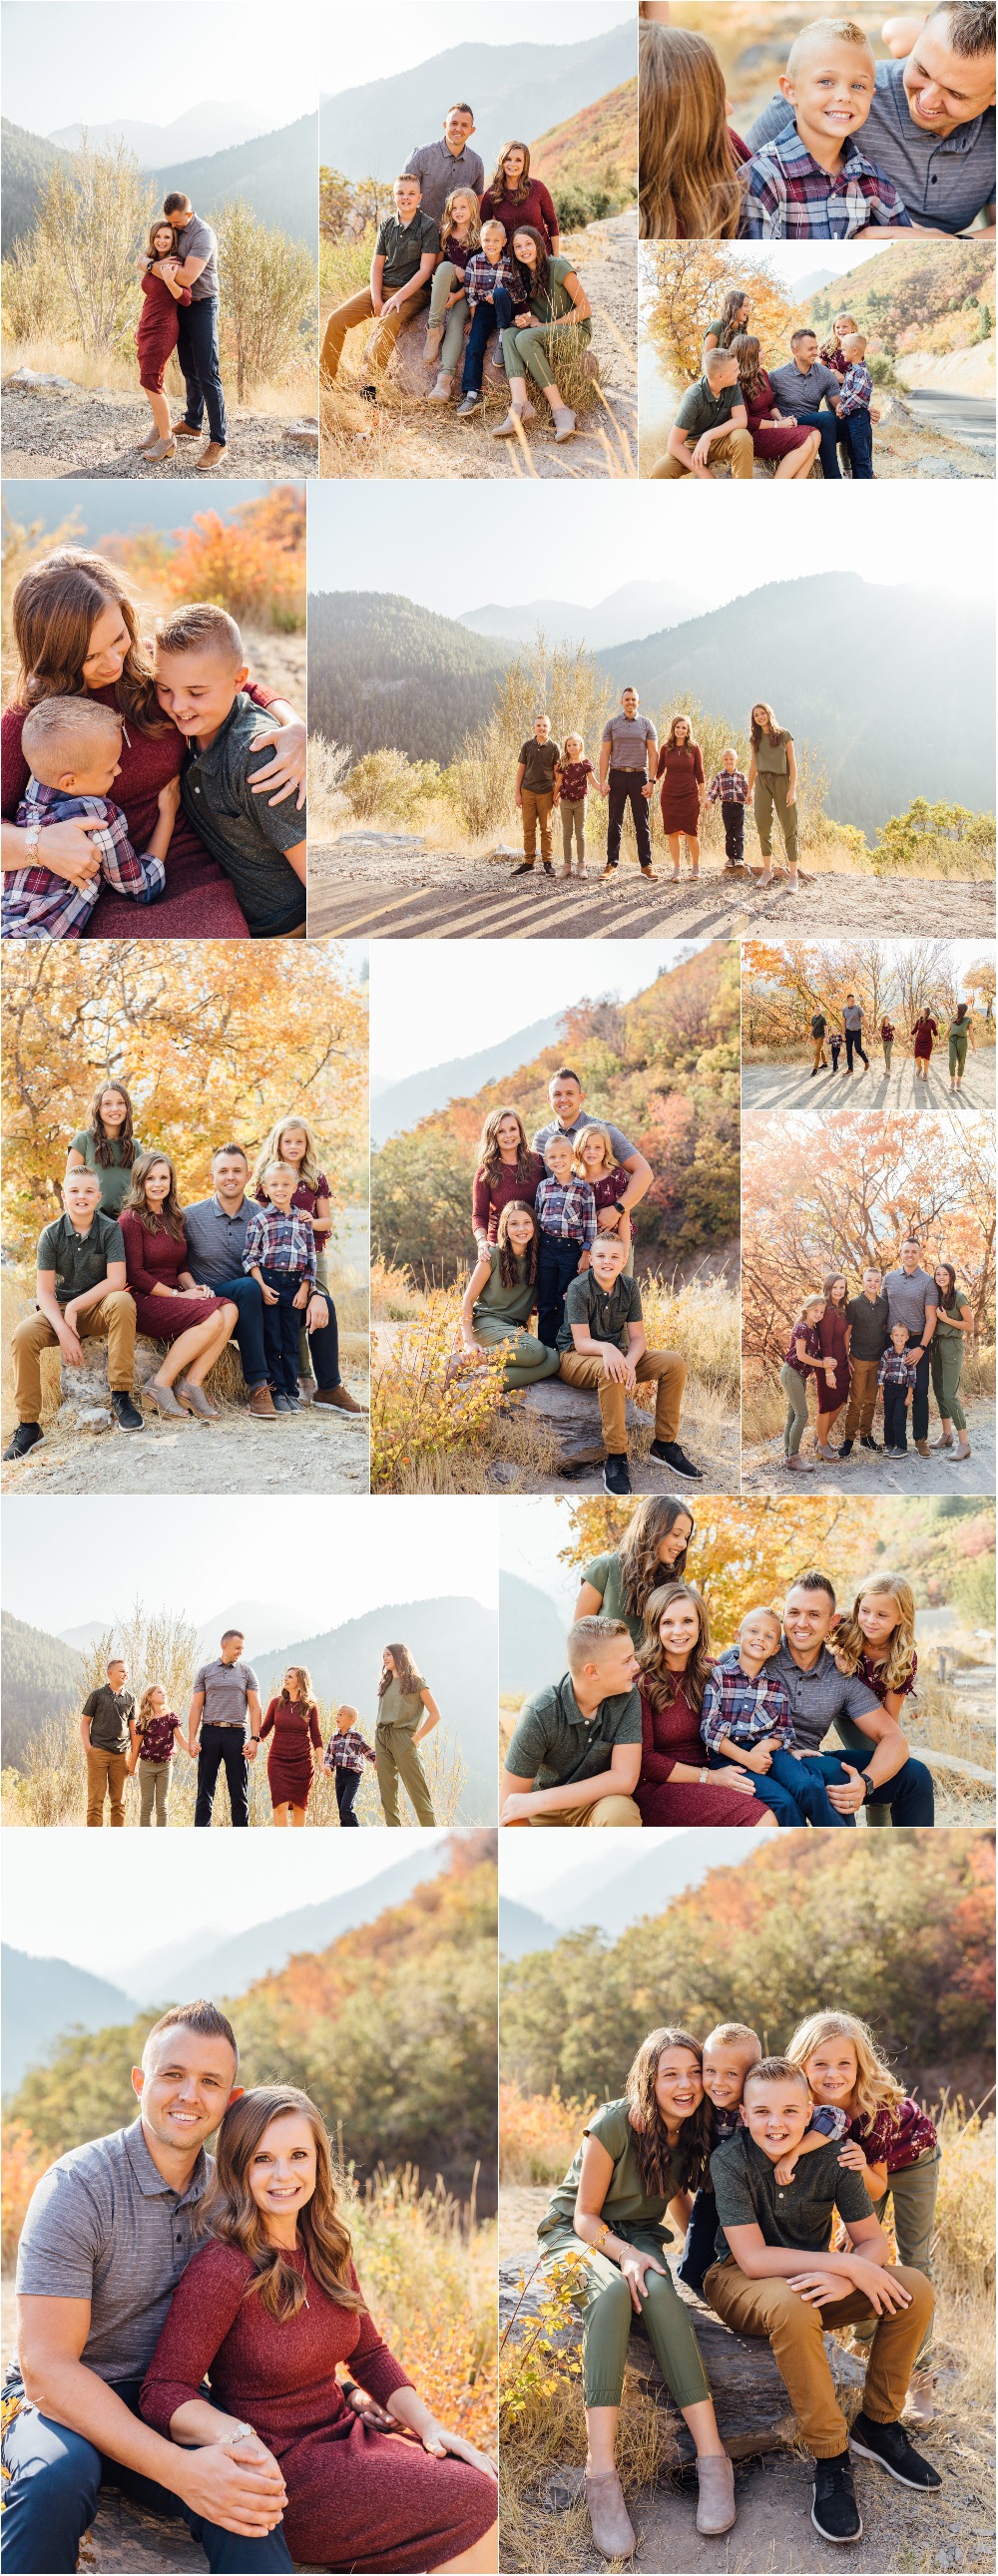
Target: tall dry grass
{"x":764,"y":1404}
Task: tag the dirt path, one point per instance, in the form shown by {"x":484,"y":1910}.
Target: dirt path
{"x":389,"y":885}
{"x":716,"y":1455}
{"x":966,"y":418}
{"x":326,"y":1453}
{"x":862,"y":1473}
{"x":64,"y":433}
{"x":825,"y":1095}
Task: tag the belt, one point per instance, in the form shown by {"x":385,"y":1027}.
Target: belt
{"x":225,"y":1725}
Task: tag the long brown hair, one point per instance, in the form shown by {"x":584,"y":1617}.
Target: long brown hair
{"x":745,"y":347}
{"x":688,"y":180}
{"x":171,"y":1215}
{"x":490,"y":1162}
{"x":670,"y":743}
{"x":949,"y":1294}
{"x":161,"y":225}
{"x":850,"y":1643}
{"x":651,"y":2145}
{"x":729,"y":329}
{"x":531,"y":282}
{"x":406,"y":1675}
{"x":103,"y":1144}
{"x":229,"y":2211}
{"x":776,"y":732}
{"x":306,"y":1693}
{"x":509,"y":1260}
{"x":660,"y":1686}
{"x":499,"y":184}
{"x":641,"y":1572}
{"x":53,"y":612}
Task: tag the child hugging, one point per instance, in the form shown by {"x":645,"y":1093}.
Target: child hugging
{"x":746,"y":1721}
{"x":729,"y":2053}
{"x":571,"y":787}
{"x":594,"y":1161}
{"x":73,"y":750}
{"x":877,"y":1640}
{"x":812,"y":182}
{"x":155,"y":1733}
{"x":488,"y":294}
{"x":460,"y":237}
{"x":157,"y":334}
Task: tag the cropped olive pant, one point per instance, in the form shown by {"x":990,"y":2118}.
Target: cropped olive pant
{"x":397,"y":1758}
{"x":529,"y":1360}
{"x":946,"y":1368}
{"x":604,"y":2301}
{"x":771,"y":788}
{"x":914,"y":2192}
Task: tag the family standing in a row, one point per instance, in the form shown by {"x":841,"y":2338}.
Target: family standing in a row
{"x":551,"y":780}
{"x":906,"y":1326}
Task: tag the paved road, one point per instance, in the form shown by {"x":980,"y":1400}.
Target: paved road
{"x":964,"y":416}
{"x":825,"y":1095}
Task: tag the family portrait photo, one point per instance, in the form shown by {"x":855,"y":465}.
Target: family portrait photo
{"x":696,"y":1661}
{"x":160,"y":244}
{"x":213,"y":1681}
{"x":478,"y":230}
{"x":554,"y":1225}
{"x":216,"y":2208}
{"x":775,"y":125}
{"x":895,"y":1024}
{"x":868,"y":1300}
{"x":185,"y":1222}
{"x":746,"y":2211}
{"x":728,"y":738}
{"x":879,"y":364}
{"x":154,"y":738}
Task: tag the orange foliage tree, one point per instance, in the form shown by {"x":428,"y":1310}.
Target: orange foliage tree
{"x":686,"y":284}
{"x":252,"y":563}
{"x":782,"y":987}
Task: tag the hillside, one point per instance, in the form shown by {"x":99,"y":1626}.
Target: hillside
{"x":384,"y":671}
{"x":402,"y":1104}
{"x":28,"y":161}
{"x":531,"y":1636}
{"x":391,"y":2029}
{"x":521,"y":1930}
{"x":276,"y":173}
{"x":223,"y":1967}
{"x":935,"y":295}
{"x":454,"y":1643}
{"x":43,"y":1998}
{"x":514,"y":89}
{"x":889,"y":720}
{"x":42,"y":1678}
{"x":589,"y":161}
{"x":638,"y":608}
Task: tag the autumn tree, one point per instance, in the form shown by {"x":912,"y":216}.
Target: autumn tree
{"x":686,"y":285}
{"x":93,"y":218}
{"x":782,"y":987}
{"x":269,"y":311}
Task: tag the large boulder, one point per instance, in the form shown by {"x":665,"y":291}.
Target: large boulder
{"x":571,"y":1417}
{"x":409,"y":373}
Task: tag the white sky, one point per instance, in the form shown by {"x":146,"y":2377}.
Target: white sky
{"x":49,"y":1904}
{"x":80,"y":62}
{"x":525,"y":1876}
{"x":338,"y":1558}
{"x":478,"y":995}
{"x":795,"y":262}
{"x":407,"y":35}
{"x":566,"y":544}
{"x":531,"y":1531}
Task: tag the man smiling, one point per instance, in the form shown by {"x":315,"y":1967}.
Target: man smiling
{"x":931,"y":125}
{"x":877,"y":1770}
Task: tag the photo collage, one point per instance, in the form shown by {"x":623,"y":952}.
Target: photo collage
{"x":532,"y":1405}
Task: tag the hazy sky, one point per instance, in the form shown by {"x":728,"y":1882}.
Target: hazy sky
{"x":56,"y":1917}
{"x":79,"y":62}
{"x":532,"y":1528}
{"x":520,"y":1878}
{"x":407,"y":35}
{"x":795,"y":262}
{"x":337,"y":1558}
{"x":445,"y":552}
{"x":471,"y":1008}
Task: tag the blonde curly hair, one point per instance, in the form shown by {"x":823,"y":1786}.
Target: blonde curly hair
{"x":876,"y":2088}
{"x":850,"y":1643}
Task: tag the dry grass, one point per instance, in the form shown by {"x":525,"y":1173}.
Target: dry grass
{"x":103,"y":371}
{"x":429,"y":2270}
{"x":764,"y":1406}
{"x":538,"y":2134}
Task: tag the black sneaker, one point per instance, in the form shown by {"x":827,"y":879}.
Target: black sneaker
{"x":845,"y":1448}
{"x":368,"y":393}
{"x":867,"y":1441}
{"x":669,"y":1454}
{"x":126,"y":1414}
{"x":616,"y":1476}
{"x":525,"y":869}
{"x":548,"y":869}
{"x":834,"y":2511}
{"x":26,"y":1438}
{"x":889,"y":2446}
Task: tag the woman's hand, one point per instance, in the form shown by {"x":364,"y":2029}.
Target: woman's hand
{"x":367,"y":2407}
{"x":436,"y":2439}
{"x":738,"y":1779}
{"x":65,"y":848}
{"x":287,"y":768}
{"x":634,"y":2270}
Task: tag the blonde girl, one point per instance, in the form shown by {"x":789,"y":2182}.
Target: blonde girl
{"x":460,"y":235}
{"x":571,"y":788}
{"x":891,"y":2143}
{"x":877,"y":1640}
{"x":688,"y":183}
{"x":154,"y":1733}
{"x":594,"y":1161}
{"x":294,"y":1141}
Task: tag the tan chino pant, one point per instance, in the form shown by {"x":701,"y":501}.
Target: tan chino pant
{"x":734,"y":449}
{"x":359,"y":308}
{"x":862,"y":1400}
{"x":820,"y":1058}
{"x":105,"y":1779}
{"x":537,"y":804}
{"x":112,"y":1321}
{"x":578,"y":1369}
{"x":796,"y":2331}
{"x":603,"y":1811}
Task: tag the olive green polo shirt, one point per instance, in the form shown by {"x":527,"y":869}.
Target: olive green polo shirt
{"x":605,"y":1313}
{"x":80,"y":1261}
{"x":700,"y":409}
{"x":115,"y":1177}
{"x":553,"y":1744}
{"x":246,"y":833}
{"x":628,"y":2208}
{"x":797,"y":2213}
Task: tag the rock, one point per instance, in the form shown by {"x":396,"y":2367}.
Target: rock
{"x":125,"y":2539}
{"x":504,"y":850}
{"x":571,"y":1415}
{"x":409,"y":373}
{"x":25,"y":380}
{"x":85,"y":1402}
{"x":939,"y":468}
{"x":302,"y":433}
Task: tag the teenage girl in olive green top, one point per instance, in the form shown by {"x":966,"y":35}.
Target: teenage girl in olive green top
{"x":501,"y":1295}
{"x":960,"y":1035}
{"x":653,"y":1550}
{"x":638,"y":2157}
{"x":108,"y":1146}
{"x":407,"y":1714}
{"x":772,"y":780}
{"x":953,"y":1329}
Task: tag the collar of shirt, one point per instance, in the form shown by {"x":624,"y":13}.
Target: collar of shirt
{"x":150,"y":2181}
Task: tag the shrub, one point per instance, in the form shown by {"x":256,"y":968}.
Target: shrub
{"x":942,"y":840}
{"x":388,"y":785}
{"x":538,"y":2134}
{"x":884,"y":372}
{"x":85,"y":242}
{"x":269,"y":302}
{"x":428,"y":1399}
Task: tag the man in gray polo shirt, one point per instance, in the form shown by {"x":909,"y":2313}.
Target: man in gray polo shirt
{"x":877,"y":1770}
{"x":628,"y":754}
{"x":196,"y":248}
{"x":110,"y":2228}
{"x":711,"y":426}
{"x":575,"y":1754}
{"x":913,"y":1300}
{"x":226,"y":1693}
{"x":801,"y":386}
{"x":931,"y":125}
{"x":448,"y":163}
{"x":565,"y":1096}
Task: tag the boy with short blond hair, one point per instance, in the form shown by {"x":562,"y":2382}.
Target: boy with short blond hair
{"x":729,"y":2054}
{"x":488,"y":287}
{"x":575,"y":1752}
{"x":279,"y":1253}
{"x":404,"y":258}
{"x":854,"y":406}
{"x":200,"y":673}
{"x":746,"y":1721}
{"x":812,"y":182}
{"x":73,"y":750}
{"x":565,"y":1208}
{"x":729,"y":788}
{"x":602,"y":1345}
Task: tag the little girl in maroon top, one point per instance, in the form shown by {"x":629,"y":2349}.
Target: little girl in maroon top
{"x":156,"y":337}
{"x":154,"y":1732}
{"x":571,"y":788}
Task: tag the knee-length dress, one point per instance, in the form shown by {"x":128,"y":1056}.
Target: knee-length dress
{"x":770,"y":438}
{"x":357,"y":2499}
{"x":155,"y":1259}
{"x":289,"y":1761}
{"x":671,"y":1735}
{"x":158,"y":331}
{"x":923,"y":1033}
{"x":832,"y":1332}
{"x":680,"y":769}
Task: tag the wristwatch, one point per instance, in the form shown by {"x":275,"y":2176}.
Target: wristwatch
{"x":867,"y":1786}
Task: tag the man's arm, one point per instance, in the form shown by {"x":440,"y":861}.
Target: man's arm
{"x":189,"y":269}
{"x":85,"y":1731}
{"x":890,"y":1751}
{"x":640,"y":1181}
{"x":114,"y":1277}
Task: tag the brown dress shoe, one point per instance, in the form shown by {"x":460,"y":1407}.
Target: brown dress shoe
{"x":262,"y":1404}
{"x":182,"y":429}
{"x":339,"y":1396}
{"x":212,"y":456}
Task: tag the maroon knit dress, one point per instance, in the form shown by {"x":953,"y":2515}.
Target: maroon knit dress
{"x":923,"y":1033}
{"x":153,"y":1260}
{"x":198,"y":901}
{"x":158,"y":331}
{"x":536,"y":209}
{"x":490,"y":1197}
{"x":772,"y":438}
{"x":357,"y":2499}
{"x":289,"y":1764}
{"x":671,"y":1735}
{"x":681,"y":772}
{"x":832,"y":1332}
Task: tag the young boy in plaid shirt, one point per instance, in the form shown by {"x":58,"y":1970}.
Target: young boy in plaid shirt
{"x":854,"y":407}
{"x":896,"y":1375}
{"x":746,"y":1721}
{"x":72,"y":747}
{"x":730,"y":785}
{"x":279,"y":1253}
{"x":345,"y":1756}
{"x":565,"y":1208}
{"x":729,"y":2054}
{"x":488,"y":287}
{"x":812,"y":183}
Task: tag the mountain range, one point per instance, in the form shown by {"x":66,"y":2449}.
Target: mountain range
{"x":633,"y":610}
{"x":273,"y":1622}
{"x":41,"y":1998}
{"x":514,"y":89}
{"x":619,"y":1887}
{"x":275,"y":172}
{"x":211,"y":125}
{"x":400,"y":1105}
{"x":521,"y":1930}
{"x":531,"y":1636}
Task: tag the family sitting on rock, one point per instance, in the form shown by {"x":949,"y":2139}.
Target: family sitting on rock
{"x":480,"y":262}
{"x":125,"y":1258}
{"x":795,"y":416}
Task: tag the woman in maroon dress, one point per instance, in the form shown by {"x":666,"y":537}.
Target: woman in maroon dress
{"x":923,"y":1033}
{"x":834,"y":1336}
{"x":271,"y":2306}
{"x":157,"y":335}
{"x":684,"y":790}
{"x":774,"y":434}
{"x":169,"y":1305}
{"x":676,"y":1785}
{"x":294,"y":1759}
{"x":513,"y":198}
{"x":76,"y":632}
{"x":507,"y":1169}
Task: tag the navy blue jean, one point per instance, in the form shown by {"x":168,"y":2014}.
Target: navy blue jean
{"x":733,"y":818}
{"x":197,"y":354}
{"x":920,"y":1400}
{"x":830,"y":431}
{"x":795,"y":1791}
{"x":859,"y":432}
{"x":347,"y":1785}
{"x":486,"y":318}
{"x":557,"y":1263}
{"x":627,"y":787}
{"x":698,"y":2244}
{"x":282,"y":1329}
{"x":855,"y":1046}
{"x":218,"y":1745}
{"x":324,"y":1343}
{"x":909,"y":1795}
{"x":895,"y":1417}
{"x":54,"y":2485}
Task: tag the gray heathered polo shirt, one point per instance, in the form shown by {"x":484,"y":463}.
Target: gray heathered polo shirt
{"x":907,"y":1298}
{"x":818,"y":1697}
{"x":103,"y":2225}
{"x":629,"y":738}
{"x":944,"y":180}
{"x":586,"y":1118}
{"x":246,"y":833}
{"x":225,"y":1687}
{"x":804,"y":393}
{"x":442,"y":171}
{"x":215,"y":1242}
{"x":197,"y":241}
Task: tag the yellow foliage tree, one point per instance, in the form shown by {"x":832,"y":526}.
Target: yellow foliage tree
{"x":687,"y":283}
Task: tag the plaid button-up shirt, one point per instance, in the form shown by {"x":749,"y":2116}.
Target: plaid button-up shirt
{"x":568,"y":1212}
{"x":347,"y":1752}
{"x":39,"y":905}
{"x":482,"y":276}
{"x":790,"y":198}
{"x":896,"y":1369}
{"x":746,"y":1710}
{"x":276,"y":1242}
{"x":731,"y":785}
{"x":857,"y":387}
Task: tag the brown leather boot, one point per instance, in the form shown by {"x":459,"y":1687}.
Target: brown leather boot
{"x":213,"y":455}
{"x":340,"y":1397}
{"x":182,"y":429}
{"x":262,"y":1405}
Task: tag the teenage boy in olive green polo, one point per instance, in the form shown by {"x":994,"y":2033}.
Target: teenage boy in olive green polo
{"x":576,"y":1750}
{"x":405,"y":255}
{"x":534,"y":794}
{"x":602,"y":1345}
{"x":200,"y":670}
{"x":711,"y":426}
{"x":81,"y":1293}
{"x":106,"y":1741}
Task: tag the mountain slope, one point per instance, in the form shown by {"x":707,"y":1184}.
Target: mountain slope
{"x":276,"y":173}
{"x":402,"y":1104}
{"x":42,"y":1678}
{"x":531,"y":1636}
{"x":589,"y":160}
{"x":384,"y":671}
{"x":263,"y":1949}
{"x":212,"y":125}
{"x":514,"y":89}
{"x":521,"y":1930}
{"x":639,"y":608}
{"x":623,"y":1886}
{"x":922,"y":294}
{"x":44,"y":1997}
{"x":454,"y":1643}
{"x":28,"y":160}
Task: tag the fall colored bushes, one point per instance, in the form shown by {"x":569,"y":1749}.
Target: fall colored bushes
{"x":252,"y":564}
{"x":782,"y":986}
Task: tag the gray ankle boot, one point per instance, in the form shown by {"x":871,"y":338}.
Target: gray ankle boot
{"x":716,"y":2481}
{"x":612,"y":2528}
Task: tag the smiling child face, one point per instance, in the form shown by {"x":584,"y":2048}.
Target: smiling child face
{"x":197,"y":689}
{"x":678,"y":2084}
{"x":759,"y":1634}
{"x":833,"y":2071}
{"x":776,"y":2113}
{"x":830,"y":89}
{"x":725,"y":2066}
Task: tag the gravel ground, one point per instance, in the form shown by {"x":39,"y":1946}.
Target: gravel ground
{"x":716,"y":1455}
{"x":791,"y":1087}
{"x":299,"y":1453}
{"x":46,"y":432}
{"x":763,"y":1471}
{"x":389,"y":885}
